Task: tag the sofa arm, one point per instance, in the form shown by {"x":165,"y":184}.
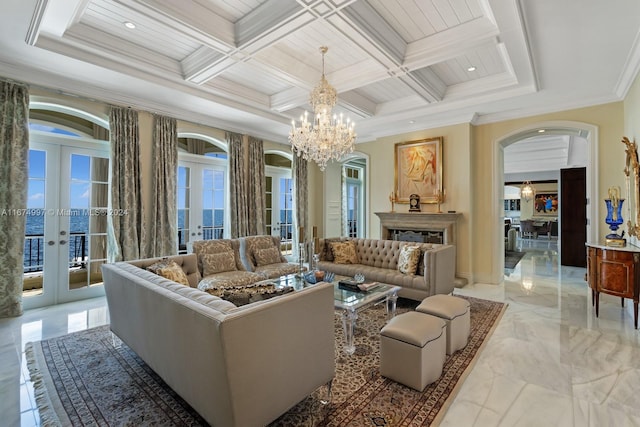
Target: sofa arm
{"x":440,"y":269}
{"x":278,"y":351}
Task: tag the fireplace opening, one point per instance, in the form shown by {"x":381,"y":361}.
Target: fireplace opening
{"x":421,"y":236}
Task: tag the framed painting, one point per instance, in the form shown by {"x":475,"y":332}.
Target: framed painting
{"x":546,"y":204}
{"x":418,"y":170}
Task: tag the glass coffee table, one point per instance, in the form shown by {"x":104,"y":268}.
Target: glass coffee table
{"x":349,"y":302}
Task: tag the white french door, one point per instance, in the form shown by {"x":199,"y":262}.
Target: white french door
{"x":279,"y":206}
{"x":202,"y":201}
{"x":67,"y":208}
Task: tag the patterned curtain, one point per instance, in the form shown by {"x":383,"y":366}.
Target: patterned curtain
{"x":238,"y":188}
{"x":14,"y":179}
{"x":125,"y":232}
{"x":299,"y":171}
{"x":164,"y":238}
{"x":256,"y":176}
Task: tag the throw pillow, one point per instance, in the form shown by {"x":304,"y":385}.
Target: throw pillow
{"x":173,"y":271}
{"x":344,"y":252}
{"x":155,"y":267}
{"x":218,"y":262}
{"x":408,"y":259}
{"x":266,"y":256}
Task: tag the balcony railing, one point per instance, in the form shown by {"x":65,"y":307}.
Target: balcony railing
{"x":208,"y":233}
{"x":33,"y":260}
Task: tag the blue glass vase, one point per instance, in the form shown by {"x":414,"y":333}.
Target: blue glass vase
{"x":614,"y":217}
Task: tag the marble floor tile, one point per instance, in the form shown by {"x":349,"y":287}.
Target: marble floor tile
{"x":549,"y":362}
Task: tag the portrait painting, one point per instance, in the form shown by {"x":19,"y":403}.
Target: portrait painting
{"x":418,"y":170}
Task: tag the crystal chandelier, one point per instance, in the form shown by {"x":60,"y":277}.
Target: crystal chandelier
{"x":327,"y":138}
{"x":528,"y":191}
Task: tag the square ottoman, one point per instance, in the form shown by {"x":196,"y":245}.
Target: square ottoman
{"x":413,"y":349}
{"x":453,"y":310}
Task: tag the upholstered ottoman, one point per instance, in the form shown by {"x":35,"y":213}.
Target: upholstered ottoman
{"x":413,"y":349}
{"x":453,"y":310}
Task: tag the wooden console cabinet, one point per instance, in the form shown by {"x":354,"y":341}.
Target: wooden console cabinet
{"x":614,"y":271}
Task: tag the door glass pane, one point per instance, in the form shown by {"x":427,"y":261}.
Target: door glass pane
{"x":184,"y":184}
{"x":269,"y":205}
{"x":86,"y":220}
{"x":33,"y":258}
{"x":286,"y":214}
{"x":212,"y":204}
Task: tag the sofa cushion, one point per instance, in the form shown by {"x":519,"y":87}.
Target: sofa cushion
{"x":271,"y":271}
{"x":408,"y":259}
{"x":218,"y":262}
{"x":344,"y":252}
{"x":266,"y":256}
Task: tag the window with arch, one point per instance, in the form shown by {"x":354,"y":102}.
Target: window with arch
{"x":68,"y":187}
{"x":201,"y":190}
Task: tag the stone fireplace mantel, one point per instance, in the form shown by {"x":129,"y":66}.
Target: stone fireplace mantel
{"x":444,"y":223}
{"x":419,"y":222}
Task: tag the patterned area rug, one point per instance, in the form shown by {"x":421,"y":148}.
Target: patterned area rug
{"x":82,"y":379}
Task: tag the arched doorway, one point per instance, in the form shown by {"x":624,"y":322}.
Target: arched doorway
{"x":576,"y":129}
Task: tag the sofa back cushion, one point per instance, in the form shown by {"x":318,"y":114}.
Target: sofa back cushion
{"x":201,"y":247}
{"x":219,"y":262}
{"x":266,"y":256}
{"x":250,"y":246}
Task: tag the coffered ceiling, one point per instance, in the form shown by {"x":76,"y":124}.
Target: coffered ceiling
{"x":398,"y":65}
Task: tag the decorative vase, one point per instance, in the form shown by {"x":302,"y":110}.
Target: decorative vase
{"x":302,"y":255}
{"x":614,"y":217}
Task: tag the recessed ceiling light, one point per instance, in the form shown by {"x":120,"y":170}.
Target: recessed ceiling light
{"x":411,"y":122}
{"x":541,"y":130}
{"x":130,"y":25}
{"x":471,"y":68}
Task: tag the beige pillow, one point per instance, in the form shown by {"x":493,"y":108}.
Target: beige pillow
{"x":266,"y":256}
{"x":170,"y":270}
{"x":408,"y":259}
{"x":174,"y":272}
{"x":344,"y":252}
{"x":218,"y":263}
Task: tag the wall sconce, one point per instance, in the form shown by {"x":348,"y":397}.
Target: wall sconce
{"x":528,"y":191}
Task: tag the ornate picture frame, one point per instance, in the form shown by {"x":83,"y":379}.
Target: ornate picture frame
{"x":418,"y":170}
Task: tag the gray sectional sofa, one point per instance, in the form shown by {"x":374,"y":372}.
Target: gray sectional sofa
{"x":377,"y":260}
{"x":237,"y":366}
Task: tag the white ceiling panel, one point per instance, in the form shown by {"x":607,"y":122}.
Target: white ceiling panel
{"x":250,"y":75}
{"x":110,"y":17}
{"x":231,"y":10}
{"x":385,"y":91}
{"x":393,"y":62}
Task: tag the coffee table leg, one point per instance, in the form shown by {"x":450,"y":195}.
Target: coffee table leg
{"x":348,"y":324}
{"x":391,"y":305}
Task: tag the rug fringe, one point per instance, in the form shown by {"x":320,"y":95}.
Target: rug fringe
{"x":48,"y":416}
